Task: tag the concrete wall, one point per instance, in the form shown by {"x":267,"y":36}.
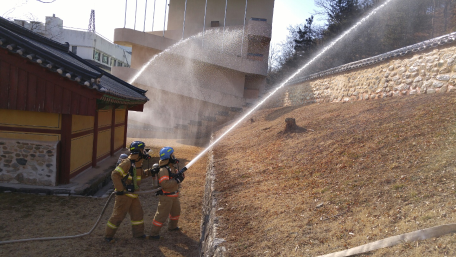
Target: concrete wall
{"x":195,"y":79}
{"x":166,"y":109}
{"x":28,"y":162}
{"x":141,"y":55}
{"x":194,"y":20}
{"x":426,"y":72}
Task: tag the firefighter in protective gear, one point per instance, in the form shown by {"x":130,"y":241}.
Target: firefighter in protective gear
{"x":168,"y":205}
{"x":126,"y":179}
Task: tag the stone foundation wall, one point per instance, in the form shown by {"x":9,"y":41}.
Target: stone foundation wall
{"x":28,"y":162}
{"x":404,"y":73}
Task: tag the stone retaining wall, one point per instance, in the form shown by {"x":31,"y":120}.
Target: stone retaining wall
{"x":425,"y":68}
{"x":209,"y":243}
{"x":28,"y":162}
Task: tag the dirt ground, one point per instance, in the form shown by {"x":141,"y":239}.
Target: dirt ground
{"x":30,"y":216}
{"x":355,"y":173}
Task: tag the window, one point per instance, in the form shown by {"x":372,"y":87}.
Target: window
{"x":96,"y":55}
{"x":104,"y":59}
{"x":113,"y":62}
{"x":74,"y":49}
{"x":119,"y":63}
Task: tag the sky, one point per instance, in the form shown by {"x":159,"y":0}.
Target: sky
{"x":110,"y":14}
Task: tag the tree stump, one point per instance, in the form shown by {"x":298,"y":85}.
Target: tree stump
{"x":290,"y":125}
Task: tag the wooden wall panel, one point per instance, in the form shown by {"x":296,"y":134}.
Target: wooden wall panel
{"x":104,"y":118}
{"x":81,"y":123}
{"x":31,"y":94}
{"x":104,"y":143}
{"x":28,"y":86}
{"x":75,"y":103}
{"x":65,"y":150}
{"x":125,"y":128}
{"x":120,"y":116}
{"x":21,"y":89}
{"x":30,"y":136}
{"x":66,"y":103}
{"x":26,"y":119}
{"x":92,"y":107}
{"x":12,"y":96}
{"x":40,"y":94}
{"x":119,"y":137}
{"x":83,"y":105}
{"x":4,"y":84}
{"x":49,"y":103}
{"x":58,"y":102}
{"x":81,"y":155}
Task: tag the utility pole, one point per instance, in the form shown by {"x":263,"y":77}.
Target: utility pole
{"x":92,"y":21}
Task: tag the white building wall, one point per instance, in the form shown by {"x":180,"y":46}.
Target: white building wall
{"x":85,"y":39}
{"x":86,"y":42}
{"x":85,"y":52}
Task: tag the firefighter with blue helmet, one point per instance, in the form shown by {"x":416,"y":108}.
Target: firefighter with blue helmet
{"x":169,"y":204}
{"x":127,"y":178}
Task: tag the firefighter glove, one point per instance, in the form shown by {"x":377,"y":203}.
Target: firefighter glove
{"x":179,"y":178}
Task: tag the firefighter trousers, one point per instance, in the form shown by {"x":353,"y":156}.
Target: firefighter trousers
{"x":126,"y":204}
{"x":167,"y":207}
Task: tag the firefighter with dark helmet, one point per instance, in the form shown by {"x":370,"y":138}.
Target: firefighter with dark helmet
{"x":126,"y":178}
{"x":168,"y":205}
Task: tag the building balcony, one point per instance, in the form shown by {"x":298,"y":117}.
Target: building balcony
{"x":130,"y":37}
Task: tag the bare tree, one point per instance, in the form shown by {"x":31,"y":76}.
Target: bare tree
{"x":46,"y":30}
{"x":7,"y":14}
{"x":273,"y":58}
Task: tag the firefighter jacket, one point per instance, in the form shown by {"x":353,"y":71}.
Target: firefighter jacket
{"x":122,"y":171}
{"x":168,"y":185}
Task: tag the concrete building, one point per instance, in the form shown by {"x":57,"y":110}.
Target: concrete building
{"x":87,"y":44}
{"x":215,"y":63}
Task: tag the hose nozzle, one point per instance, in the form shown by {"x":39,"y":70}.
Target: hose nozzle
{"x":183,"y":170}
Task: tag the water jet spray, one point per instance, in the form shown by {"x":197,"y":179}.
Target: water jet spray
{"x":282,"y":85}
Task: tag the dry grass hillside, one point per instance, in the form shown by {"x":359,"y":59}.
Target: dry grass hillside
{"x":356,"y":173}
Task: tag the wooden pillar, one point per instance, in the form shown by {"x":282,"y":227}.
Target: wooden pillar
{"x":126,"y":125}
{"x":113,"y":126}
{"x":65,"y":149}
{"x":95,"y":140}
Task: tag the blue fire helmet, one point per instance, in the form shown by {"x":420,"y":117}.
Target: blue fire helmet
{"x":165,"y":152}
{"x":137,"y":147}
{"x":121,"y":158}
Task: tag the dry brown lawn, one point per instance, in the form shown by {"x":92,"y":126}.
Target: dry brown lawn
{"x":31,"y":216}
{"x":360,"y":172}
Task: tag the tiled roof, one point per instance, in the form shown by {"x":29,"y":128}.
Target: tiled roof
{"x":56,"y":57}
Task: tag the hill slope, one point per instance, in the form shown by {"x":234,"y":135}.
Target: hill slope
{"x":360,"y":172}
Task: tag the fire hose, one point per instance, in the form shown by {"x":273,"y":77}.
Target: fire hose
{"x":80,"y":235}
{"x":394,"y":240}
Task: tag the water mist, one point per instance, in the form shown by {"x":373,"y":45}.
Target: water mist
{"x":283,"y":84}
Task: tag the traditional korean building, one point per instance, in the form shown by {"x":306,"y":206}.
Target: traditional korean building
{"x":59,"y":114}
